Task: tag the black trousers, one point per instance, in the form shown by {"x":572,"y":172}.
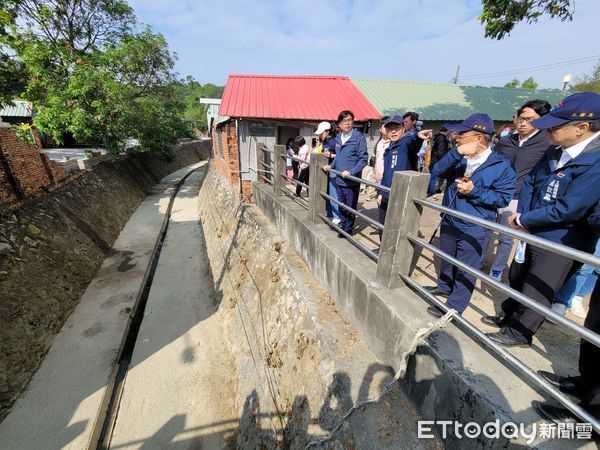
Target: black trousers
{"x":589,"y":356}
{"x":303,"y":178}
{"x":539,"y":277}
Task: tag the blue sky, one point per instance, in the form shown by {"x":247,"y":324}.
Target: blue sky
{"x":384,"y":39}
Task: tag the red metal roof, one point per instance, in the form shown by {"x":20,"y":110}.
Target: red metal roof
{"x":294,"y":97}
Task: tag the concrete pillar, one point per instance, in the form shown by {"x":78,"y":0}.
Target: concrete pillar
{"x":403,"y":218}
{"x":317,"y":181}
{"x":279,"y":167}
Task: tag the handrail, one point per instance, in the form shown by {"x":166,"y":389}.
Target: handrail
{"x":508,"y":357}
{"x":580,"y":331}
{"x":371,"y":254}
{"x":352,"y":210}
{"x":563,"y":250}
{"x":293,"y":180}
{"x":381,"y":187}
{"x":300,"y":160}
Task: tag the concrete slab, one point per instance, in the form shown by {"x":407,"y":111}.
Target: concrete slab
{"x":174,"y":394}
{"x":60,"y":407}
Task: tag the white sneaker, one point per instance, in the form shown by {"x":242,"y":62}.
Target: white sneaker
{"x":577,"y":308}
{"x":336,"y":221}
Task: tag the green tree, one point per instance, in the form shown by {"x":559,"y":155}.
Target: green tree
{"x":12,"y":73}
{"x":500,"y":16}
{"x":94,"y":75}
{"x":192,"y":92}
{"x":512,"y":84}
{"x":529,"y":83}
{"x":589,"y":82}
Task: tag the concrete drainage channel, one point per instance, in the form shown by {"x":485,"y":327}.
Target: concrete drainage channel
{"x":255,"y":355}
{"x":103,"y":430}
{"x":233,"y":344}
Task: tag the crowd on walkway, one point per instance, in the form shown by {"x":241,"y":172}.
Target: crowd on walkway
{"x":540,"y":177}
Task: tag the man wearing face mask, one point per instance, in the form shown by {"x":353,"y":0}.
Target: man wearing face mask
{"x":484,"y":182}
{"x":556,"y":201}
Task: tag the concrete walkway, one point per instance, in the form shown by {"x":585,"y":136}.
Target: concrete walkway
{"x":176,"y":394}
{"x":60,"y":407}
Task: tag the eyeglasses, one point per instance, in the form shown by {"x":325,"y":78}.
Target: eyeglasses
{"x":347,"y":121}
{"x":525,"y":119}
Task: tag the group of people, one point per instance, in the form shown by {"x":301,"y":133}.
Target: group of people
{"x":543,"y":180}
{"x":540,"y":178}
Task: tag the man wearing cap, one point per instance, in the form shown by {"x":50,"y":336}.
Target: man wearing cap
{"x":484,"y":182}
{"x":440,"y":146}
{"x":401,"y":154}
{"x":327,"y":138}
{"x":556,"y":201}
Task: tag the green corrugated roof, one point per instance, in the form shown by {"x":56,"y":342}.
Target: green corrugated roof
{"x":20,"y":108}
{"x":436,"y":101}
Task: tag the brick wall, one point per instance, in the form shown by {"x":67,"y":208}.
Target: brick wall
{"x":226,"y":154}
{"x":24,"y":171}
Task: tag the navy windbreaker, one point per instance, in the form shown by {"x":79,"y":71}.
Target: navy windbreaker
{"x":400,"y":155}
{"x":351,"y":156}
{"x":494,"y":182}
{"x":559,"y":204}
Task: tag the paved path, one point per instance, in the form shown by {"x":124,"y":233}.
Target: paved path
{"x":60,"y":407}
{"x":175,"y":395}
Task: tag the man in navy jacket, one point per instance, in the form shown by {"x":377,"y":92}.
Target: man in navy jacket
{"x":484,"y":182}
{"x":351,"y":158}
{"x":401,"y":154}
{"x":556,"y":201}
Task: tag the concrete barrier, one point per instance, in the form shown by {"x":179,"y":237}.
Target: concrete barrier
{"x":452,"y":377}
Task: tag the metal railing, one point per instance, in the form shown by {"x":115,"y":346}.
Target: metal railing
{"x":400,"y":237}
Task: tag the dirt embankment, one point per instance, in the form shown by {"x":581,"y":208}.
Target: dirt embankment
{"x":51,"y":247}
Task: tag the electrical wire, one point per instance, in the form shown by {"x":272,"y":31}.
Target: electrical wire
{"x":531,"y":69}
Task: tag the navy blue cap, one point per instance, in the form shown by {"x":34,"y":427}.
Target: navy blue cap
{"x":394,"y":119}
{"x":445,"y":127}
{"x":579,"y":106}
{"x":475,"y":122}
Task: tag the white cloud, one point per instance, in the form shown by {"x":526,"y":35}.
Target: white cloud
{"x":420,"y":40}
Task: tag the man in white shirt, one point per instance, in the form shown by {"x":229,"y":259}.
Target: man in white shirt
{"x":556,"y":201}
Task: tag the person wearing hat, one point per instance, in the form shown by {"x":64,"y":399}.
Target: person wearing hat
{"x":327,"y":137}
{"x":351,"y":158}
{"x":555,"y":203}
{"x":524,"y":149}
{"x":439,"y":147}
{"x":484,"y":182}
{"x":400,"y":154}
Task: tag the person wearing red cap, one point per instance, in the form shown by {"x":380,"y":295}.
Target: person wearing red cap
{"x":555,"y":203}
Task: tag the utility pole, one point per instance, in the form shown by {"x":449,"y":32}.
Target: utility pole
{"x":455,"y":79}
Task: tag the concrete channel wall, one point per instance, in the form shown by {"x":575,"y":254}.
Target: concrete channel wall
{"x":451,"y":377}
